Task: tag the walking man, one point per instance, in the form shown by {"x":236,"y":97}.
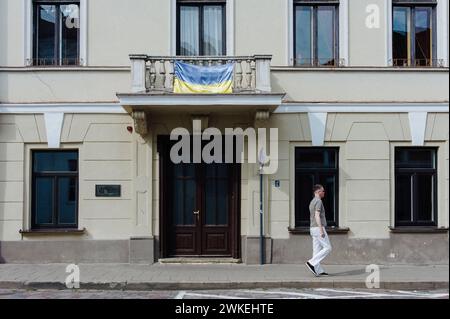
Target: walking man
{"x":321,"y":243}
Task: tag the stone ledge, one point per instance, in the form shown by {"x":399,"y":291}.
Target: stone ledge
{"x":418,"y":230}
{"x":64,"y":231}
{"x":331,"y":230}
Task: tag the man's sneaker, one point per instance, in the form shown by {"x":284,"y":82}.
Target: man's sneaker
{"x":311,"y":268}
{"x":323,"y":274}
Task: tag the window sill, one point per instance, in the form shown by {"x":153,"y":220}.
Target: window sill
{"x":330,"y":230}
{"x":417,"y":230}
{"x":62,"y":231}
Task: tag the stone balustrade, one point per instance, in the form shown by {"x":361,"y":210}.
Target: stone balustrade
{"x":155,"y":74}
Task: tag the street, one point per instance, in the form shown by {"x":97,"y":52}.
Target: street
{"x":319,"y":293}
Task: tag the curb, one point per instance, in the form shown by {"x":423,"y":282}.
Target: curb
{"x":144,"y":286}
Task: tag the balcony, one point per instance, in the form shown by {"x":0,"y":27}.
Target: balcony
{"x":152,"y":82}
{"x":155,"y":74}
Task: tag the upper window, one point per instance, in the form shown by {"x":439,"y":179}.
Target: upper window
{"x":201,"y":28}
{"x":316,"y":31}
{"x":55,"y":189}
{"x":56,"y":35}
{"x":415,"y":186}
{"x":413,"y":34}
{"x":316,"y":165}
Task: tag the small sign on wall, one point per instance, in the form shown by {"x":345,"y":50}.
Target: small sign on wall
{"x":277,"y":183}
{"x":107,"y":190}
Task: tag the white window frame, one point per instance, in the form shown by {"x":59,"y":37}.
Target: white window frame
{"x":343,"y":59}
{"x":229,"y":27}
{"x":441,"y":33}
{"x":29,"y":32}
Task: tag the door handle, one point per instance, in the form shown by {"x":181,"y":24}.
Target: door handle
{"x":196,"y":212}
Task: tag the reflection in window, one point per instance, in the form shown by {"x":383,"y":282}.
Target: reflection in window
{"x":316,"y":34}
{"x":413,"y":35}
{"x":55,"y":189}
{"x":415,"y":186}
{"x":315,"y":165}
{"x":56,"y":33}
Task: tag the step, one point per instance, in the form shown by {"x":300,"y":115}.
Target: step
{"x":199,"y":260}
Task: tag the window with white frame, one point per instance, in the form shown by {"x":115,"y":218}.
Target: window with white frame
{"x":56,"y":33}
{"x":414,"y":39}
{"x":201,"y":27}
{"x":316,"y":32}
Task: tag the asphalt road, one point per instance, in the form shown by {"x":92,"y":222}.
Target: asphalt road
{"x":319,"y":293}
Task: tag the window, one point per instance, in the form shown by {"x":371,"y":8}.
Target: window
{"x":413,"y":34}
{"x":54,"y":189}
{"x":316,"y":33}
{"x":415,"y":186}
{"x":56,"y":35}
{"x":314,"y":165}
{"x":201,"y":28}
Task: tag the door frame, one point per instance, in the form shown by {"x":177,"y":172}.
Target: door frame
{"x":235,"y":220}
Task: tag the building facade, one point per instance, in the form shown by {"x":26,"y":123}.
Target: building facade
{"x":357,"y":89}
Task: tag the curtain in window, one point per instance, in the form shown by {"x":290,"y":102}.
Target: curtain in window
{"x":212,"y":36}
{"x":189,"y":30}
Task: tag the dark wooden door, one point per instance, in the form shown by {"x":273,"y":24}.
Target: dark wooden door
{"x":200,"y":211}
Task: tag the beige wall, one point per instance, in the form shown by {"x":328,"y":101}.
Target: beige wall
{"x":299,"y":85}
{"x":261,"y":28}
{"x":11,"y":33}
{"x":118,"y":28}
{"x":367,"y":46}
{"x":105,"y":156}
{"x":366,"y":143}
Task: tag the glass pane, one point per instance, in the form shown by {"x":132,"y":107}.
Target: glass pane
{"x":189,"y":30}
{"x":69,"y":34}
{"x":189,"y":201}
{"x":45,"y":32}
{"x":303,"y":35}
{"x":178,"y":201}
{"x":222,"y":202}
{"x":212,"y":30}
{"x":330,"y":199}
{"x":325,"y":36}
{"x":44,"y":200}
{"x":67,"y":200}
{"x":403,"y":191}
{"x":415,"y":158}
{"x":423,"y":36}
{"x":211,"y":202}
{"x":56,"y":161}
{"x":303,"y":195}
{"x":424,"y":197}
{"x":401,"y":36}
{"x":315,"y":158}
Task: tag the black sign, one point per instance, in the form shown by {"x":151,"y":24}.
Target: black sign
{"x":107,"y":190}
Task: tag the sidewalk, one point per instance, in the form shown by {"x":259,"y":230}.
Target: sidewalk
{"x":219,"y":276}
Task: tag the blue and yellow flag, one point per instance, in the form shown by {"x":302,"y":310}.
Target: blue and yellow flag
{"x":195,"y":79}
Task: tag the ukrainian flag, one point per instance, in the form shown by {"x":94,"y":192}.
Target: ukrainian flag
{"x":195,"y":79}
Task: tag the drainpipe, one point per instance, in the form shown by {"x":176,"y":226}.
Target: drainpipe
{"x":261,"y":213}
{"x":261,"y":209}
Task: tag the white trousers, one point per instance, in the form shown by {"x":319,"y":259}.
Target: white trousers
{"x":321,"y":248}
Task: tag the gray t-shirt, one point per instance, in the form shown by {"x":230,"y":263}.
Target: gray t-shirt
{"x":317,"y":205}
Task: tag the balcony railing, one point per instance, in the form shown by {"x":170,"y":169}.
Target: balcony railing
{"x":155,"y":74}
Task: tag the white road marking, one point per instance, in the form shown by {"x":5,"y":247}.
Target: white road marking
{"x":422,"y":294}
{"x":377,"y":294}
{"x":299,"y":294}
{"x":212,"y":296}
{"x":180,"y":295}
{"x":345,"y":291}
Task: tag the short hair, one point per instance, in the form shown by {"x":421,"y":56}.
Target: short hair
{"x":317,"y":187}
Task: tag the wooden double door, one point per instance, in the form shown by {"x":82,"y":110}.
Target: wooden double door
{"x":199,"y":208}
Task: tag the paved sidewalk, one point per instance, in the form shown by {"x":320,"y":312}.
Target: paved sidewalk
{"x":219,"y":276}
